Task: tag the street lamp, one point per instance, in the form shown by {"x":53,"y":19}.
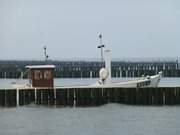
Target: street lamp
{"x":101,"y":46}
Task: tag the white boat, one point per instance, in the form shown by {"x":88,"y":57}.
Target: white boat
{"x":149,"y":81}
{"x":105,"y":78}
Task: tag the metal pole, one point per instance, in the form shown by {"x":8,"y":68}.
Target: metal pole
{"x":102,"y":55}
{"x":101,"y":46}
{"x":100,"y":40}
{"x":45,"y":53}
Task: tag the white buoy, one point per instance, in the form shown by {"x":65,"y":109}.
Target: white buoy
{"x":103,"y":73}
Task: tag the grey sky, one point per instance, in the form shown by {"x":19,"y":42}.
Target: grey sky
{"x":70,"y":28}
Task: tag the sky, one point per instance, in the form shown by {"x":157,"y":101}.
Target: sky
{"x":70,"y":28}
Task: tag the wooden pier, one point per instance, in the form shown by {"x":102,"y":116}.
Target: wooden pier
{"x":85,"y":97}
{"x":90,"y":69}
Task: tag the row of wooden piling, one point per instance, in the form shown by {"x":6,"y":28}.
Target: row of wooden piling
{"x":90,"y":96}
{"x":90,"y":69}
{"x":94,"y":73}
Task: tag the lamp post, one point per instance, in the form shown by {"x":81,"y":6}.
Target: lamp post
{"x":101,"y":46}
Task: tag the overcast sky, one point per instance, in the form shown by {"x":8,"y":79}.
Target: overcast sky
{"x":70,"y":28}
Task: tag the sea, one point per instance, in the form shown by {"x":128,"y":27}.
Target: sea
{"x":110,"y":119}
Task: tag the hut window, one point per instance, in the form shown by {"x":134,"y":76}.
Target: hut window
{"x":47,"y":74}
{"x":37,"y":75}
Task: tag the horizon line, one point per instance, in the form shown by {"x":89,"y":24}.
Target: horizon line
{"x":99,"y":59}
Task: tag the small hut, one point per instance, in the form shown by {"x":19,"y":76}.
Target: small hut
{"x":41,"y":75}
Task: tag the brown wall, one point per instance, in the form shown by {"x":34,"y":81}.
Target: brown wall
{"x":42,"y":82}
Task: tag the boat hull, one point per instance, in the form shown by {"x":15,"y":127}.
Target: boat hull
{"x":150,"y":81}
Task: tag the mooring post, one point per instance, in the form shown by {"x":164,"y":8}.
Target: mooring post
{"x":55,"y":96}
{"x":164,"y":97}
{"x":35,"y":95}
{"x":74,"y":95}
{"x":5,"y":97}
{"x":17,"y":97}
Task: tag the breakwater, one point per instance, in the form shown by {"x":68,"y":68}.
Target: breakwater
{"x":90,"y":96}
{"x":90,"y":69}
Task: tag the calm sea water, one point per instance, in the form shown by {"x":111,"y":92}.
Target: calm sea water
{"x":110,"y":119}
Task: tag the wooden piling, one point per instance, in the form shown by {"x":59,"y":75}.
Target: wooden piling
{"x":121,"y":95}
{"x":70,"y":97}
{"x":112,"y":95}
{"x":97,"y":96}
{"x":2,"y":98}
{"x":105,"y":96}
{"x":22,"y":97}
{"x":90,"y":96}
{"x":129,"y":97}
{"x":145,"y":96}
{"x":26,"y":96}
{"x":170,"y":96}
{"x":61,"y":97}
{"x":178,"y":95}
{"x":138,"y":96}
{"x":10,"y":98}
{"x":38,"y":96}
{"x":83,"y":97}
{"x":158,"y":96}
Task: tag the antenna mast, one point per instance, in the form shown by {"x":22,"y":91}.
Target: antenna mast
{"x":45,"y":53}
{"x":101,"y":46}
